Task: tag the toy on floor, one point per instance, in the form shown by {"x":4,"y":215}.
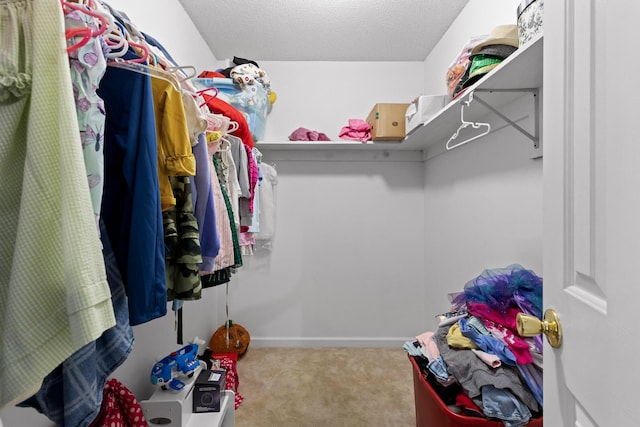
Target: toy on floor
{"x":182,"y":362}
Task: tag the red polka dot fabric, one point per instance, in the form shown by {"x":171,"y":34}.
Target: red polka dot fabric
{"x":120,"y":408}
{"x":228,"y":362}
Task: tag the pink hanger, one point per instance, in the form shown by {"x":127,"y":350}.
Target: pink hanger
{"x":202,"y":91}
{"x":99,"y":17}
{"x":86,"y":34}
{"x":144,"y":49}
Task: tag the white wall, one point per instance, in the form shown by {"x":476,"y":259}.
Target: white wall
{"x":483,"y":201}
{"x":346,"y":264}
{"x":483,"y":209}
{"x":346,"y":267}
{"x":323,"y":96}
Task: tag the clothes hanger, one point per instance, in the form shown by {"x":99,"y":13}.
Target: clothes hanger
{"x":86,"y":32}
{"x":126,"y":44}
{"x":203,"y":91}
{"x":464,"y":124}
{"x":139,"y":68}
{"x":74,"y":6}
{"x":143,"y":48}
{"x":117,"y":41}
{"x":179,"y":68}
{"x":214,"y":122}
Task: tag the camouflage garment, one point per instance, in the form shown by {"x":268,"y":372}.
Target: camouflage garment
{"x":182,"y":242}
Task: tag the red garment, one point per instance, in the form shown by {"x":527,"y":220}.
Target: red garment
{"x":467,"y":405}
{"x":119,"y":408}
{"x":228,"y":362}
{"x":211,"y":74}
{"x":218,"y":106}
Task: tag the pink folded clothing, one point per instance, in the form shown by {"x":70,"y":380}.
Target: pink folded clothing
{"x":304,"y":134}
{"x":357,"y":129}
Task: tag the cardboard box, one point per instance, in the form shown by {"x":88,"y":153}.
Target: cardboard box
{"x":387,"y":122}
{"x":207,"y":390}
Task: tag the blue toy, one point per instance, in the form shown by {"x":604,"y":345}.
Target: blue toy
{"x":181,"y":362}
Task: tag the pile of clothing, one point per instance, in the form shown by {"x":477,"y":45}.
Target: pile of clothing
{"x":480,"y":363}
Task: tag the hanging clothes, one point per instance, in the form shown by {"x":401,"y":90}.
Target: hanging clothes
{"x":176,"y":163}
{"x":225,"y":255}
{"x":229,"y":256}
{"x":204,"y":206}
{"x":268,"y":202}
{"x":255,"y":220}
{"x":246,"y":204}
{"x":200,"y":183}
{"x":183,"y":244}
{"x":175,"y":156}
{"x":54,"y":295}
{"x":131,"y":202}
{"x":88,"y":64}
{"x":71,"y":395}
{"x":217,"y":164}
{"x":231,"y":174}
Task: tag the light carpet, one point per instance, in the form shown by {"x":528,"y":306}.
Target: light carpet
{"x":328,"y":387}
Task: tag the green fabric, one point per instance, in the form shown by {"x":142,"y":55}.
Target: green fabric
{"x":54,"y":296}
{"x":237,"y":256}
{"x":482,"y":64}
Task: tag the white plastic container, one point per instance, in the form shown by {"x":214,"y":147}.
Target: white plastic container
{"x":422,"y":109}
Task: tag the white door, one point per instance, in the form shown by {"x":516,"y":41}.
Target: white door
{"x":591,"y":118}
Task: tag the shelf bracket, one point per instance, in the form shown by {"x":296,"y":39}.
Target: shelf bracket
{"x":536,"y":112}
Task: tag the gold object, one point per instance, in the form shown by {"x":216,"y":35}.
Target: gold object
{"x":529,"y":326}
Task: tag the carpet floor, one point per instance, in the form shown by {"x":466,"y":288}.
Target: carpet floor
{"x":325,"y":387}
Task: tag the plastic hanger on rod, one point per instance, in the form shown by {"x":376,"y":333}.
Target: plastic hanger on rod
{"x":137,"y":67}
{"x":85,"y":32}
{"x":464,"y":124}
{"x":181,"y":68}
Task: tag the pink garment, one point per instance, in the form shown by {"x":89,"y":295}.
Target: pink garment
{"x":253,"y":175}
{"x":503,"y":326}
{"x":490,"y":360}
{"x":357,"y":129}
{"x":429,"y":348}
{"x":483,"y":311}
{"x":304,"y":134}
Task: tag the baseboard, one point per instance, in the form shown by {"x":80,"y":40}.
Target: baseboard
{"x":327,"y":342}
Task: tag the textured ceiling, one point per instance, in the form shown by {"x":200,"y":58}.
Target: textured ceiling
{"x":323,"y":30}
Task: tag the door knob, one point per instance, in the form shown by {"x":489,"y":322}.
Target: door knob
{"x":530,"y":326}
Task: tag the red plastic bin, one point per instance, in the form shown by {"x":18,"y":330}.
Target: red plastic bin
{"x":432,"y":412}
